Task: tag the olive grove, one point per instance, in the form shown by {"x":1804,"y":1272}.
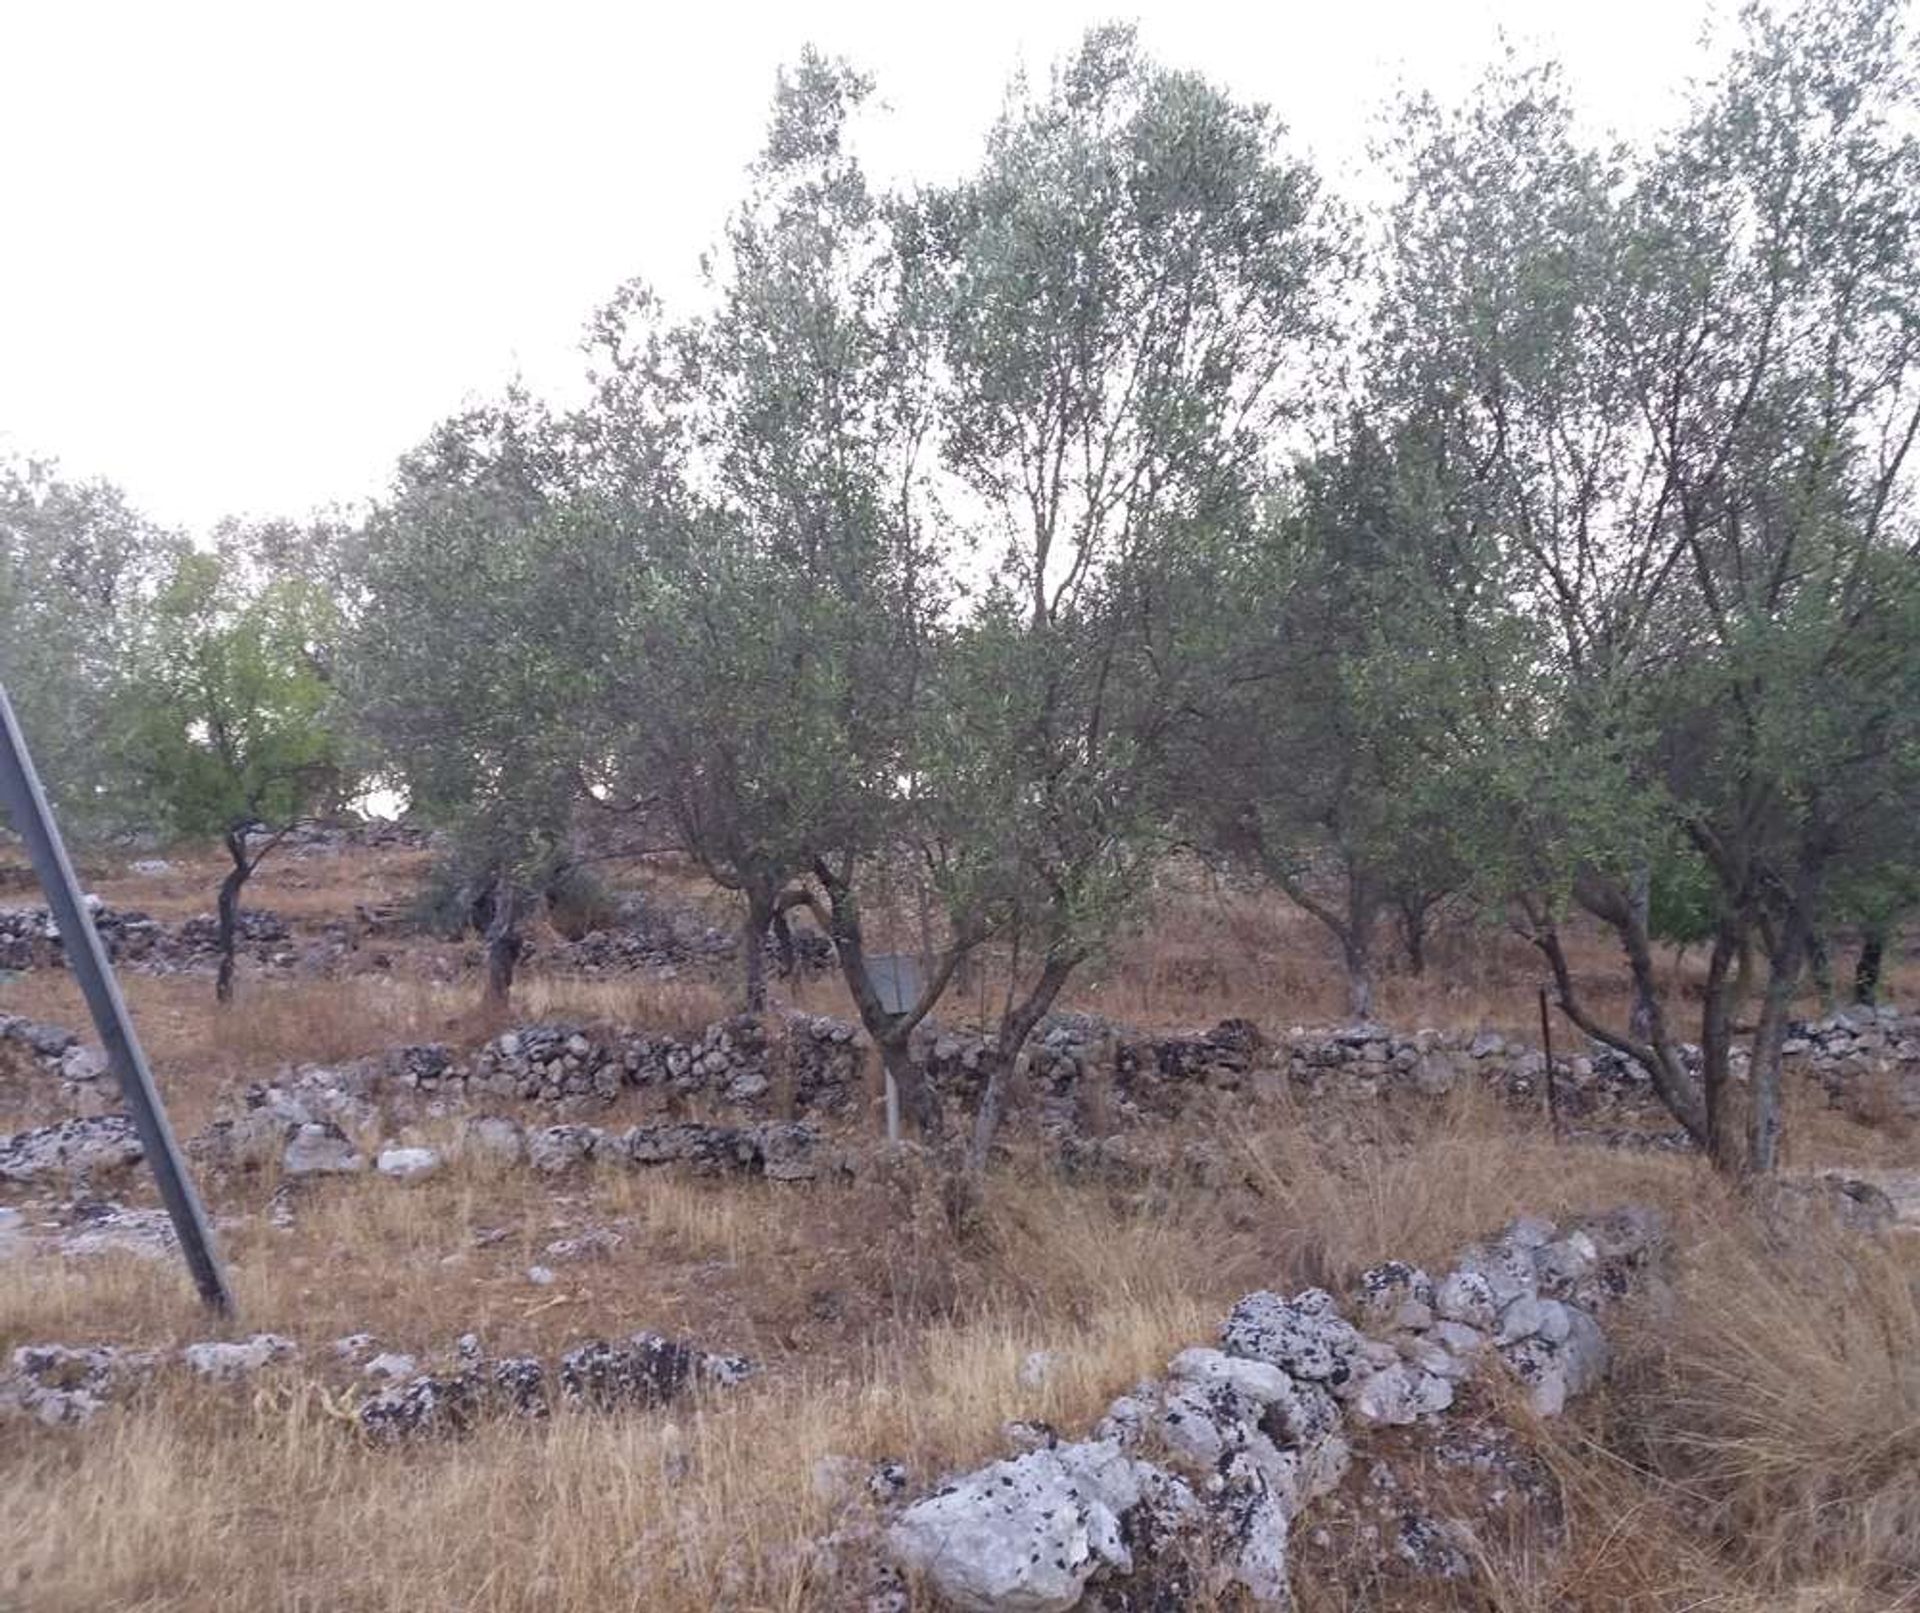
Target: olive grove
{"x":1538,"y":539}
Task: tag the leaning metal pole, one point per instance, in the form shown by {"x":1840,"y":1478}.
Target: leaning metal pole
{"x":26,"y":804}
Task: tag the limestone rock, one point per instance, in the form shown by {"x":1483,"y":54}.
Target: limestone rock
{"x":1467,"y":1298}
{"x":320,"y":1148}
{"x":1024,"y":1535}
{"x":222,"y":1362}
{"x":557,"y":1148}
{"x":1306,"y":1337}
{"x":62,"y":1383}
{"x":643,"y":1370}
{"x":492,"y":1139}
{"x":1399,"y":1395}
{"x":89,"y":1146}
{"x":1394,"y":1297}
{"x":407,"y":1164}
{"x":1259,"y":1381}
{"x":390,"y":1366}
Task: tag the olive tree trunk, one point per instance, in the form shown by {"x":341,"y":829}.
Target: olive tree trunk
{"x":228,"y":912}
{"x":1866,"y":972}
{"x":503,"y":943}
{"x":1010,"y":1041}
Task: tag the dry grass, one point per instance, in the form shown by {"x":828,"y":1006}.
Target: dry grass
{"x":1756,"y":1451}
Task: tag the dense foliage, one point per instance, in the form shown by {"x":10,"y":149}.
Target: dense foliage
{"x":1540,"y":541}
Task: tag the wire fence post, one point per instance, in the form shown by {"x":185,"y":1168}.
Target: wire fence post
{"x":26,"y":805}
{"x":1546,"y":1046}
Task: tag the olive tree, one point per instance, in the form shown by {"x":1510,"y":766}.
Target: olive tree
{"x":1683,"y":386}
{"x":79,"y":566}
{"x":770,"y":451}
{"x":1318,"y":733}
{"x":485,"y":604}
{"x":228,"y":718}
{"x":1128,"y":288}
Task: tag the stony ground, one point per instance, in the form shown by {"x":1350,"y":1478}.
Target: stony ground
{"x":755,"y":1353}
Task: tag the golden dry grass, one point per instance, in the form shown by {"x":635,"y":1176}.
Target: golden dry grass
{"x":1757,"y":1449}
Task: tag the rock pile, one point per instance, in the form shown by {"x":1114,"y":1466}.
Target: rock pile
{"x":29,"y":939}
{"x":664,"y":936}
{"x":58,"y":1383}
{"x":84,"y":1148}
{"x":641,"y":1371}
{"x":83,"y":1084}
{"x":1846,"y":1053}
{"x":1082,"y":1075}
{"x":812,"y":1061}
{"x":298,"y":1129}
{"x":1188,"y":1486}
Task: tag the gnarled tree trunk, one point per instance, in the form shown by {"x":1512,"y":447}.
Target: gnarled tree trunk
{"x":1716,"y":1045}
{"x":1764,"y":1120}
{"x":503,"y":942}
{"x":753,"y":948}
{"x":1016,"y":1025}
{"x":1866,"y":972}
{"x":228,"y":911}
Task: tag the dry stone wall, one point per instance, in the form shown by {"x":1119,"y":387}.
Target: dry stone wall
{"x":1190,"y":1485}
{"x":30,"y":939}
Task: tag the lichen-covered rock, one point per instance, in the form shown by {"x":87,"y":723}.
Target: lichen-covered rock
{"x":553,"y":1149}
{"x":428,"y":1405}
{"x":1394,"y":1297}
{"x":1306,"y":1336}
{"x":492,"y":1139}
{"x":643,"y":1370}
{"x":91,"y":1146}
{"x":1554,"y":1370}
{"x":1247,"y":1529}
{"x":390,"y":1366}
{"x":1259,"y":1381}
{"x":1466,"y":1297}
{"x":1400,"y":1394}
{"x":1024,"y":1535}
{"x":1505,"y":1266}
{"x":64,"y":1383}
{"x":1223,"y":1454}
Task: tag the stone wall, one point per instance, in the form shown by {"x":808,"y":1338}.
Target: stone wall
{"x":1189,"y":1487}
{"x":29,"y":939}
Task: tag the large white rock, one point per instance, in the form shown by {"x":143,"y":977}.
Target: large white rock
{"x":1257,"y":1380}
{"x":1466,"y":1297}
{"x":1555,"y":1370}
{"x":559,"y":1148}
{"x":223,"y":1362}
{"x":1506,"y":1267}
{"x":1023,"y":1536}
{"x":407,"y":1164}
{"x":1249,"y":1527}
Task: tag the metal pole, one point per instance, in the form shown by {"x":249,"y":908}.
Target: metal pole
{"x":1546,"y":1045}
{"x":26,"y":805}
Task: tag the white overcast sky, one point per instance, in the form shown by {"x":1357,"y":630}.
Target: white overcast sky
{"x":252,"y":251}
